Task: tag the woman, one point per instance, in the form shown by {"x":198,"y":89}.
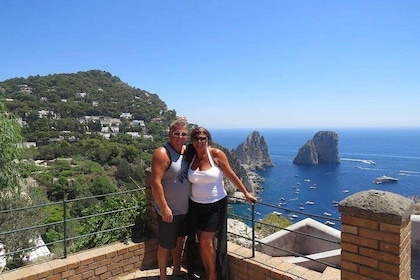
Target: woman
{"x":208,"y":203}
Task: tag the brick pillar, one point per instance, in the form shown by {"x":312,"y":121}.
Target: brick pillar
{"x":150,"y":208}
{"x":376,"y":236}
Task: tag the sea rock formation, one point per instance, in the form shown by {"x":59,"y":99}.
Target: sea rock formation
{"x":322,"y":148}
{"x":253,"y":153}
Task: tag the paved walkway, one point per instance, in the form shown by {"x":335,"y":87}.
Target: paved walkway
{"x":151,"y":274}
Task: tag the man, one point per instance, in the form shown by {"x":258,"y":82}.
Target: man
{"x":171,"y":191}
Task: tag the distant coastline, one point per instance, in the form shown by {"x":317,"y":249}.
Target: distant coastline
{"x":392,"y":150}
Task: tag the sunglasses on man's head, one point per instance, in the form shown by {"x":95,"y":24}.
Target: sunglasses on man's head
{"x":179,"y":134}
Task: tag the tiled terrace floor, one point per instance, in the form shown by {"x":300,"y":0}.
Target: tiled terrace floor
{"x":151,"y":274}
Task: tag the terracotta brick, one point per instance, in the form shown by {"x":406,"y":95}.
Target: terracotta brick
{"x":30,"y":276}
{"x":54,"y":277}
{"x":94,"y":265}
{"x":390,"y":248}
{"x":100,"y":270}
{"x":376,"y":274}
{"x":111,"y":254}
{"x":105,"y":262}
{"x":360,"y":241}
{"x":393,"y":269}
{"x":347,"y":265}
{"x":98,"y":258}
{"x":390,"y":228}
{"x":106,"y":275}
{"x":128,"y":267}
{"x":276,"y":275}
{"x":359,"y":222}
{"x":58,"y":266}
{"x":349,"y":247}
{"x":85,"y":260}
{"x":258,"y":274}
{"x":116,"y":271}
{"x":118,"y":258}
{"x":81,"y":269}
{"x":350,"y":229}
{"x":378,"y":255}
{"x":381,"y":236}
{"x":358,"y":259}
{"x":75,"y":277}
{"x":43,"y":270}
{"x":369,"y":243}
{"x":68,"y":273}
{"x":112,"y":266}
{"x":348,"y":275}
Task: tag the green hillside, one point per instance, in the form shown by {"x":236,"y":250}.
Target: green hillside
{"x":48,"y":105}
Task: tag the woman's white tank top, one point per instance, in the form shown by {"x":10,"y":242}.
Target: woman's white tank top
{"x":207,"y":185}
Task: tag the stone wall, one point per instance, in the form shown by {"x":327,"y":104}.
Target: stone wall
{"x":106,"y":262}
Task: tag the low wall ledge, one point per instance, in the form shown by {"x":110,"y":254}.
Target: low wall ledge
{"x":378,"y":205}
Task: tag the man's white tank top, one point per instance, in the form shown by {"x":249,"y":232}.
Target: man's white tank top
{"x":207,"y":185}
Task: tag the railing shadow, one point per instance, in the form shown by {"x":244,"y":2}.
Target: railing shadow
{"x":257,"y":244}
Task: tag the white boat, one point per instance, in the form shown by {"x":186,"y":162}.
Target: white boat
{"x":327,"y":214}
{"x":293,"y":216}
{"x":310,"y":202}
{"x":385,"y":179}
{"x":329,"y":223}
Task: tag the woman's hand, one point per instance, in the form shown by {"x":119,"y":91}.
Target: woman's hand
{"x":249,"y":197}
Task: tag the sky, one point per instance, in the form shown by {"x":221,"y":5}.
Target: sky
{"x":233,"y":64}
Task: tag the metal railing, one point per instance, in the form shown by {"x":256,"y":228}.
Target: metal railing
{"x":253,"y":222}
{"x":67,"y":223}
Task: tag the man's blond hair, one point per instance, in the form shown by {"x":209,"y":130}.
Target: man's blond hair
{"x":180,"y":121}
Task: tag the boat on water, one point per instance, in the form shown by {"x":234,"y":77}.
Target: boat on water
{"x":385,"y":179}
{"x":310,"y":202}
{"x":329,"y":223}
{"x":277,"y":213}
{"x":292,"y":216}
{"x":327,"y":214}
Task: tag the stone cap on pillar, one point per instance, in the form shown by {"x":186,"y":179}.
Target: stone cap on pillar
{"x":379,"y":206}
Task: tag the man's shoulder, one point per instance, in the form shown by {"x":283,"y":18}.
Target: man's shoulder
{"x":161,"y":152}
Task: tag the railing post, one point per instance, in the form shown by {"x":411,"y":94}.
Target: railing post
{"x":376,"y":236}
{"x":253,"y":228}
{"x":65,"y":225}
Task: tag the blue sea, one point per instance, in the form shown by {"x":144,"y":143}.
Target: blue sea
{"x":365,"y":155}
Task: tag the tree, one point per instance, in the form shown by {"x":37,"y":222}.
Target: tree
{"x":10,"y":138}
{"x":14,"y":194}
{"x":271,"y":224}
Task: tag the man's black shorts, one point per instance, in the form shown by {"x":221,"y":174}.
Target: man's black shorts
{"x":168,"y":232}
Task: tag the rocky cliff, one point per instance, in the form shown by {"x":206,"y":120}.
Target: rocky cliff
{"x":322,"y":148}
{"x":253,"y":153}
